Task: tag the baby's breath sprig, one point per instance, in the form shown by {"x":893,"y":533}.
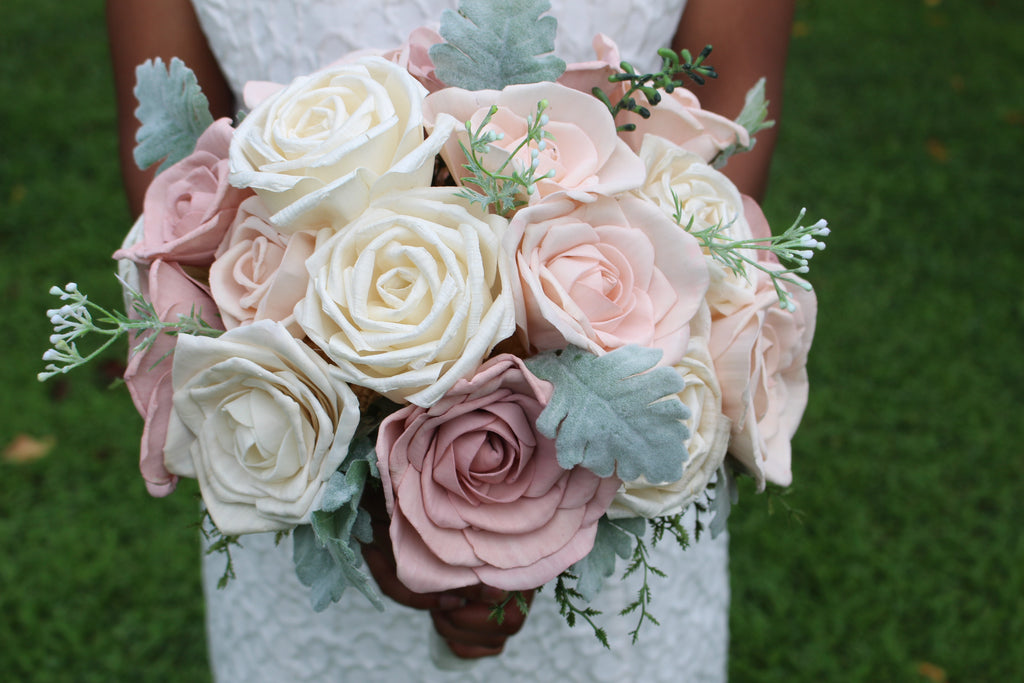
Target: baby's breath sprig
{"x":796,"y":246}
{"x":80,"y":317}
{"x":504,"y":188}
{"x":674,"y":66}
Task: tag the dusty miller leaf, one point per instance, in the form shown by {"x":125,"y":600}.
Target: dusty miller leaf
{"x":494,"y":44}
{"x":173,"y":111}
{"x":327,"y":552}
{"x":754,"y":118}
{"x":609,"y":413}
{"x":614,"y":538}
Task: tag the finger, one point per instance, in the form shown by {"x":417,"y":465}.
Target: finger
{"x":473,"y":651}
{"x":384,"y":574}
{"x":478,"y":617}
{"x":471,"y":636}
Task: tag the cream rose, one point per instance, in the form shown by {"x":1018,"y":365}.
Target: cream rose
{"x":681,"y":181}
{"x":603,"y":275}
{"x":411,"y":296}
{"x":259,"y":273}
{"x":706,"y":445}
{"x":317,"y":150}
{"x":261,"y":421}
{"x":760,"y":356}
{"x":585,"y":157}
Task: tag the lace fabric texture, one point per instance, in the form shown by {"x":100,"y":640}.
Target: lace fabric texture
{"x":261,"y":628}
{"x":275,"y":40}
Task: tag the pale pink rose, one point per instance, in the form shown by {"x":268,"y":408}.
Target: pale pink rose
{"x":476,"y":494}
{"x":605,"y":274}
{"x":414,"y":56}
{"x":188,"y":208}
{"x":258,"y":273}
{"x":148,"y":375}
{"x":680,"y":119}
{"x":585,"y":76}
{"x":760,"y":356}
{"x":586,"y":158}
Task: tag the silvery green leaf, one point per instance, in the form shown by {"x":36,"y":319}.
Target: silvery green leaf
{"x":614,"y":538}
{"x":173,"y":112}
{"x":726,"y":495}
{"x":616,"y":413}
{"x":494,"y":44}
{"x":754,"y":118}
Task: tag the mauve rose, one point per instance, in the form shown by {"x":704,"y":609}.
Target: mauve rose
{"x":258,"y":273}
{"x":604,"y":274}
{"x":188,"y":208}
{"x":476,"y":494}
{"x":586,"y":157}
{"x":148,"y":375}
{"x":760,"y":355}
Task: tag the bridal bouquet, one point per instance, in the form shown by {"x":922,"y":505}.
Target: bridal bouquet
{"x":514,"y":298}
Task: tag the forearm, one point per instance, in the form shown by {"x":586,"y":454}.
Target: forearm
{"x":143,"y":29}
{"x":750,"y":40}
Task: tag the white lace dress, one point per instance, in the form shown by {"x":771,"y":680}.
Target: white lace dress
{"x":261,"y":628}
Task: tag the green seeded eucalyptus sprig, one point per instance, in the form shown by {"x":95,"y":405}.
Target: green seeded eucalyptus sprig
{"x":674,"y":66}
{"x":80,"y":317}
{"x":508,"y":187}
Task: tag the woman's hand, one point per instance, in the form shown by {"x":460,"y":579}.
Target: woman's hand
{"x":461,"y":616}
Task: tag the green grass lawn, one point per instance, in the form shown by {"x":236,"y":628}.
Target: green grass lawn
{"x":904,"y":126}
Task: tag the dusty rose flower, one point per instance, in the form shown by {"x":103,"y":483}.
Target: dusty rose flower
{"x":585,"y":158}
{"x":258,"y":273}
{"x":188,"y":207}
{"x":148,"y":375}
{"x":604,"y":274}
{"x":760,"y":355}
{"x":476,"y":494}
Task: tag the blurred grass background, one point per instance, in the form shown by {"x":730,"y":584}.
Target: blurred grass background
{"x":904,"y":126}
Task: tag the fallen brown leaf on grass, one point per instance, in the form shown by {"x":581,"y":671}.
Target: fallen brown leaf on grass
{"x":24,"y":448}
{"x":932,"y":672}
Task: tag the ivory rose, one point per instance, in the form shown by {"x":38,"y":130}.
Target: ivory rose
{"x":319,"y":149}
{"x":476,"y":494}
{"x":679,"y":119}
{"x":258,"y":273}
{"x":585,"y":156}
{"x":262,"y":422}
{"x":412,"y":295}
{"x":604,"y":274}
{"x":188,"y":207}
{"x":681,"y":181}
{"x":706,"y":445}
{"x":760,"y":355}
{"x":148,"y":374}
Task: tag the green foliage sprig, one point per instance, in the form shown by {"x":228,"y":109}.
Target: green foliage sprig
{"x":502,"y":190}
{"x":80,"y":317}
{"x":674,"y":66}
{"x":219,"y":543}
{"x":796,"y":246}
{"x":497,"y":614}
{"x":566,"y":596}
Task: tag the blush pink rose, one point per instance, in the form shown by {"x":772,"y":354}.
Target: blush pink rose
{"x":760,"y":356}
{"x":188,"y":208}
{"x":414,"y":57}
{"x":148,"y":374}
{"x":586,"y":157}
{"x":258,"y":273}
{"x":603,"y":275}
{"x":476,"y":494}
{"x":585,"y":76}
{"x":680,"y":119}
